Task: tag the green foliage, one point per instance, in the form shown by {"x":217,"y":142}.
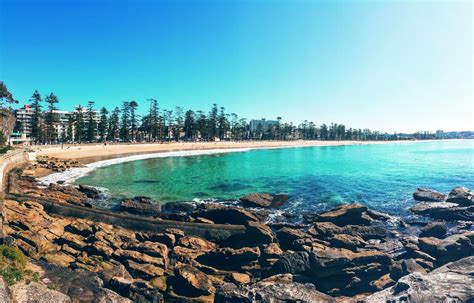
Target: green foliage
{"x":11,"y":274}
{"x":35,"y":277}
{"x":12,"y":264}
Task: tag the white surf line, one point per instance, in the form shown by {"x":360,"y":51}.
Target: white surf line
{"x":70,"y":175}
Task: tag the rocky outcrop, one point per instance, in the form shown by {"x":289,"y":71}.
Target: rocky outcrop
{"x":453,"y":282}
{"x":35,"y":292}
{"x":434,"y":229}
{"x":428,"y":195}
{"x":264,"y":200}
{"x":349,"y":214}
{"x":462,"y":196}
{"x":141,"y":206}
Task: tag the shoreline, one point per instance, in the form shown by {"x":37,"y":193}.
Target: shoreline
{"x":87,"y":154}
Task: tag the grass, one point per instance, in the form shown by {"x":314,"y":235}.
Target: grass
{"x":13,"y":265}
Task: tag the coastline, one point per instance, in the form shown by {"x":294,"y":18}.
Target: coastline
{"x":87,"y":154}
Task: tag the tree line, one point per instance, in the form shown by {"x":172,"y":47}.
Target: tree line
{"x":124,"y":124}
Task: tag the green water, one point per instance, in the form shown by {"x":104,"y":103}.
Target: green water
{"x":382,"y":176}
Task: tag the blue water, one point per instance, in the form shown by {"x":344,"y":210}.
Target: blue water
{"x":382,"y":176}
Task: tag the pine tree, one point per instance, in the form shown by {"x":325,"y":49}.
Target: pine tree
{"x":114,"y":125}
{"x":80,"y":127}
{"x":125,"y":125}
{"x":91,"y":122}
{"x":36,"y":131}
{"x":133,"y":119}
{"x":189,"y":125}
{"x":51,"y":119}
{"x":103,"y":124}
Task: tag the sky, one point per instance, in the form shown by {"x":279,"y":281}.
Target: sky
{"x":394,"y":66}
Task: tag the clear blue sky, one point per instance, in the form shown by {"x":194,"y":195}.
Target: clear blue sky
{"x":386,"y":65}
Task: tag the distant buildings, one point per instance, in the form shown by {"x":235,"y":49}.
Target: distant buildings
{"x":262,"y":125}
{"x":24,"y":117}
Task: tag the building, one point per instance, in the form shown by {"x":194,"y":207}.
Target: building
{"x":262,"y":125}
{"x":24,"y":116}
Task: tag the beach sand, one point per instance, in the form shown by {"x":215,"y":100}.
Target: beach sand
{"x":89,"y":153}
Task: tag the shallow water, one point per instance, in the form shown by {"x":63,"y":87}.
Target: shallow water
{"x":382,"y":176}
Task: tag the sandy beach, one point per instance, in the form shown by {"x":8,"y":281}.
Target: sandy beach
{"x":97,"y":152}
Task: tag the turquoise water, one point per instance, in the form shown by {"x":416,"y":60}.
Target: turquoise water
{"x":382,"y":176}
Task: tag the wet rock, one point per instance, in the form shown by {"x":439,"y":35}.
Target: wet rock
{"x":462,"y":196}
{"x":191,"y":282}
{"x":264,"y":200}
{"x":140,"y":206}
{"x":220,"y":214}
{"x":178,"y":207}
{"x":434,"y":229}
{"x":428,"y":195}
{"x":89,"y":191}
{"x":269,"y":292}
{"x":447,"y":211}
{"x":349,"y":214}
{"x":449,"y":249}
{"x":452,"y":282}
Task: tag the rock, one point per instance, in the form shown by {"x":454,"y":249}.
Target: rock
{"x":89,"y":191}
{"x":410,"y":266}
{"x":292,"y":262}
{"x":428,"y":195}
{"x":444,"y":210}
{"x":229,"y":258}
{"x":139,"y":206}
{"x":38,"y":293}
{"x":5,"y":293}
{"x":286,"y":236}
{"x":434,"y":229}
{"x":449,"y":249}
{"x":327,"y":230}
{"x":269,"y":292}
{"x":145,"y":271}
{"x":178,"y":207}
{"x":240,"y":278}
{"x":272,"y":250}
{"x":347,"y":241}
{"x":349,"y":214}
{"x":462,"y":196}
{"x":153,"y":249}
{"x":220,"y":214}
{"x":264,"y":200}
{"x":191,"y":282}
{"x":124,"y":255}
{"x":255,"y":234}
{"x":452,"y":282}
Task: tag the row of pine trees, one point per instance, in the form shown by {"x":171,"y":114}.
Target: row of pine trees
{"x":125,"y":124}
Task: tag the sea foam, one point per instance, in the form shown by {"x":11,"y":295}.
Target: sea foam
{"x":70,"y":175}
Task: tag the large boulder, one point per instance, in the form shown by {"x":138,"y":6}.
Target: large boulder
{"x":286,"y":236}
{"x":349,"y":214}
{"x":428,"y":195}
{"x":269,"y":292}
{"x":221,"y":214}
{"x":256,"y":234}
{"x":264,"y":200}
{"x":434,"y":229}
{"x":191,"y":282}
{"x":140,"y":206}
{"x":327,"y":230}
{"x":178,"y":207}
{"x":229,"y":258}
{"x":447,"y":211}
{"x":449,"y":249}
{"x":462,"y":196}
{"x":453,"y":282}
{"x":89,"y":191}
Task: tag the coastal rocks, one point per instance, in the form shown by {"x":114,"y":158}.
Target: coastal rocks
{"x":354,"y":213}
{"x":434,"y":229}
{"x":327,"y":230}
{"x":267,"y":292}
{"x":449,"y":249}
{"x":230,"y":259}
{"x":140,"y":206}
{"x":453,"y":282}
{"x":428,"y":195}
{"x":89,"y":191}
{"x":191,"y":282}
{"x":256,"y":234}
{"x":461,"y":196}
{"x":221,"y":214}
{"x":264,"y":200}
{"x":178,"y":207}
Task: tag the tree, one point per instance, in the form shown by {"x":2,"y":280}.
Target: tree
{"x":133,"y":119}
{"x":189,"y":125}
{"x":114,"y":125}
{"x":178,"y":122}
{"x":222,"y":123}
{"x":124,"y":128}
{"x":153,"y":119}
{"x":5,"y":96}
{"x":324,"y":133}
{"x":103,"y":124}
{"x":80,"y":127}
{"x":51,"y":118}
{"x":212,"y":124}
{"x":36,"y":131}
{"x":91,"y":122}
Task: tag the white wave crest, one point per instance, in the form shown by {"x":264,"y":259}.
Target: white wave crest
{"x":70,"y":175}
